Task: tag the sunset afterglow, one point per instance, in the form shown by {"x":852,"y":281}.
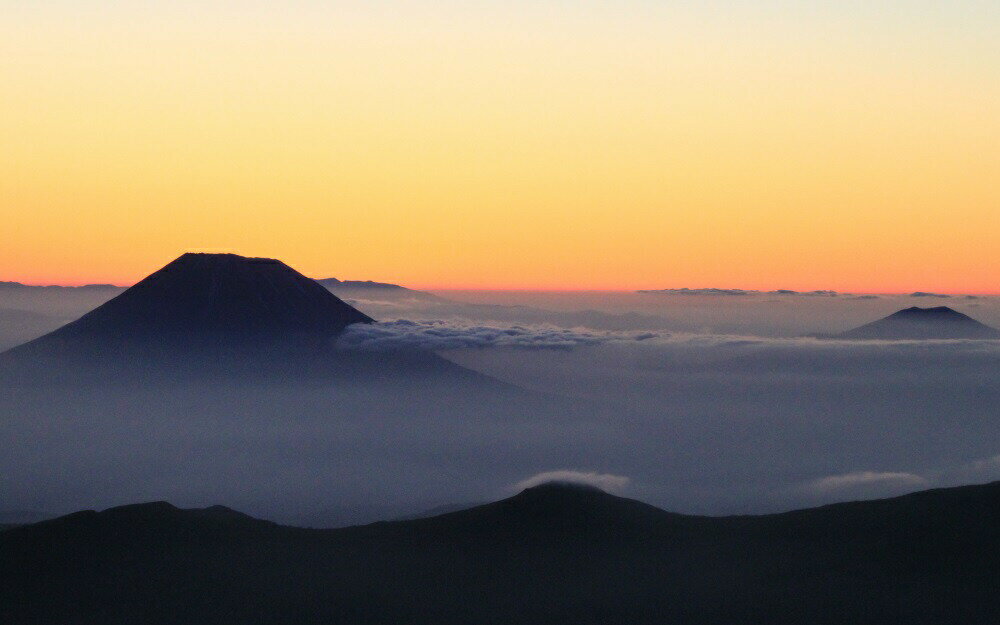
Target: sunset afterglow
{"x":521,"y":145}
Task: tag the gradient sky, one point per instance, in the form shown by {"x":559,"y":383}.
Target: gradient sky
{"x":850,"y":145}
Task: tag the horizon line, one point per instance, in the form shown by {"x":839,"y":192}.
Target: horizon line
{"x":929,"y":294}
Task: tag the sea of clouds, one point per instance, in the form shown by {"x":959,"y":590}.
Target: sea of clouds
{"x":694,"y":406}
{"x":728,"y":423}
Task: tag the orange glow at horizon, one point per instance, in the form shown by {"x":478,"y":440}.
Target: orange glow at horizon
{"x":529,"y":146}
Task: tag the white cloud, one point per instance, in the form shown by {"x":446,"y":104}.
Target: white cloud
{"x":605,"y":481}
{"x":441,"y":335}
{"x":848,"y":481}
{"x":437,"y":335}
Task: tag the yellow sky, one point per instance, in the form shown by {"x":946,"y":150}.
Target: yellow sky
{"x":507,"y":145}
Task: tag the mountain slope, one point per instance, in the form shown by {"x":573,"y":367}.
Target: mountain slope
{"x":201,"y":313}
{"x":222,"y":295}
{"x":917,"y":323}
{"x":552,"y":554}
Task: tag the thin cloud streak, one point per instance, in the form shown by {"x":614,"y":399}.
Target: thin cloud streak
{"x":605,"y":481}
{"x":439,"y":335}
{"x":847,"y":481}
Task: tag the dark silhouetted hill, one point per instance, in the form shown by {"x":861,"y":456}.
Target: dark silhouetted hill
{"x":939,"y":322}
{"x":210,"y":313}
{"x":224,"y":296}
{"x":334,"y":283}
{"x":375,"y":294}
{"x":551,"y":554}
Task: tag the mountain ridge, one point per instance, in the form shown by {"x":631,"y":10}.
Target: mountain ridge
{"x":548,"y":554}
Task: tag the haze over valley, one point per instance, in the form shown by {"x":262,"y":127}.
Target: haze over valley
{"x":376,"y":425}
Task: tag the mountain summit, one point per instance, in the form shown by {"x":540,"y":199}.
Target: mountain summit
{"x":939,"y":322}
{"x":223,"y":295}
{"x":202,"y":305}
{"x":225,"y":318}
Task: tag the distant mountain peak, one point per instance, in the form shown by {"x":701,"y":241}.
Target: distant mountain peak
{"x":936,"y":322}
{"x":220,"y":317}
{"x":155,"y":514}
{"x":214,"y":299}
{"x":334,"y":283}
{"x":82,"y":287}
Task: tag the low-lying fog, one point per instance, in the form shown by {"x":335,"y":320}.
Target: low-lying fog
{"x":694,"y":402}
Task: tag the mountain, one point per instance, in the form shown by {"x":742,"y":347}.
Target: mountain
{"x":383,"y":298}
{"x":224,"y":296}
{"x":551,"y":554}
{"x":199,"y":310}
{"x":224,"y":318}
{"x":333,"y":283}
{"x":85,"y":287}
{"x":939,"y":322}
{"x":55,"y":306}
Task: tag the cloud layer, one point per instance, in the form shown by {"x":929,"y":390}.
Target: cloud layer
{"x":440,"y":335}
{"x":709,"y":405}
{"x":850,"y":481}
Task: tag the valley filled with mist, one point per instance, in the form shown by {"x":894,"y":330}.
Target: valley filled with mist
{"x":699,"y":401}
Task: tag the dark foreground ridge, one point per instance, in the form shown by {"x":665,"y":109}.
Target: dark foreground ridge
{"x":551,"y":554}
{"x":939,"y":322}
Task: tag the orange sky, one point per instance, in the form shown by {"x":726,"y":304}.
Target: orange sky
{"x":507,"y":145}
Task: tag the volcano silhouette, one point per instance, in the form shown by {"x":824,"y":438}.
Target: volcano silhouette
{"x":218,"y":313}
{"x":225,"y":296}
{"x":939,"y":322}
{"x":203,"y":303}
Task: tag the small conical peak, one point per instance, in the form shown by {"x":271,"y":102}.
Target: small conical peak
{"x":916,"y":323}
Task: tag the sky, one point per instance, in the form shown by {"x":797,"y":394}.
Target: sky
{"x":774,"y":144}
